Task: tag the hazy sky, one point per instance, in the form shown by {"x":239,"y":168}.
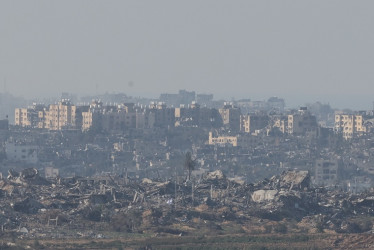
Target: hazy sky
{"x":300,"y":50}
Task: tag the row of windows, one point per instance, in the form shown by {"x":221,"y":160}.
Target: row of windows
{"x":337,"y":118}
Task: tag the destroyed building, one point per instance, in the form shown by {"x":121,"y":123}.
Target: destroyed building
{"x":97,"y":204}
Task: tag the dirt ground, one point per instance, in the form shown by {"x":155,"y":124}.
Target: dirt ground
{"x":242,"y":241}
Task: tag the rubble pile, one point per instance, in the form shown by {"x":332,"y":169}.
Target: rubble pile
{"x":29,"y":176}
{"x":115,"y":203}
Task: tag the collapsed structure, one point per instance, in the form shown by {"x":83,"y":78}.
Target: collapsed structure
{"x":88,"y":207}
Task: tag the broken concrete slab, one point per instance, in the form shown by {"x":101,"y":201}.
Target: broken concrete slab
{"x":29,"y":173}
{"x":264,"y":195}
{"x":215,"y":175}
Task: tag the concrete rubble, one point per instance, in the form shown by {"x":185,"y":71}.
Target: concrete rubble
{"x":34,"y":207}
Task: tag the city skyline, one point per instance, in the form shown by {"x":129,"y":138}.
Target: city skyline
{"x":294,"y":103}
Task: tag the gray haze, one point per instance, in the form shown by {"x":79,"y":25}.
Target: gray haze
{"x":299,"y":50}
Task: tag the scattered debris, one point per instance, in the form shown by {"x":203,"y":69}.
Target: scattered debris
{"x":142,"y":205}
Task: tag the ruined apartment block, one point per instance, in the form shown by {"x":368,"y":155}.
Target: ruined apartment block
{"x":349,"y":125}
{"x":326,"y":172}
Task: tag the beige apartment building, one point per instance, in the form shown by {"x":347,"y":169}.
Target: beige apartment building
{"x":22,"y":117}
{"x":116,"y":118}
{"x":302,"y":123}
{"x":349,"y":125}
{"x":251,"y":123}
{"x":108,"y":118}
{"x":187,"y":116}
{"x":164,"y":116}
{"x":88,"y":120}
{"x":223,"y":140}
{"x":28,"y":117}
{"x":280,"y":122}
{"x":93,"y":116}
{"x":230,"y":116}
{"x":58,"y":116}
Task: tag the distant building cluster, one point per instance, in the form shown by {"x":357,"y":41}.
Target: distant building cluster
{"x":67,"y":116}
{"x":244,"y":138}
{"x":184,"y":111}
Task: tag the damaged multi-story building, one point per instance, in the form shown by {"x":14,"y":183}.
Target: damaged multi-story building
{"x":349,"y":125}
